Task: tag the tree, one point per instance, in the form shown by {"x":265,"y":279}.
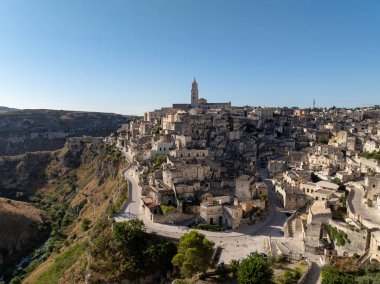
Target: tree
{"x":194,"y":253}
{"x":291,"y":276}
{"x":233,"y":266}
{"x":85,"y":224}
{"x":126,"y":251}
{"x":314,"y":177}
{"x":255,"y":270}
{"x":323,"y":140}
{"x":263,"y":196}
{"x":129,"y":235}
{"x":337,"y":181}
{"x":331,"y":275}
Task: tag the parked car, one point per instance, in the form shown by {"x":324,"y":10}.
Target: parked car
{"x":263,"y":255}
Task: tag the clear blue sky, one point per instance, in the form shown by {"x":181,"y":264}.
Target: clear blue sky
{"x":134,"y":55}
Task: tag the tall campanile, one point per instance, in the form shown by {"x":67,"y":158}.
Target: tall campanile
{"x":194,"y":94}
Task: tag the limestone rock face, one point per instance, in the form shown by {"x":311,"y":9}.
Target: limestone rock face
{"x":42,"y":130}
{"x":23,"y":173}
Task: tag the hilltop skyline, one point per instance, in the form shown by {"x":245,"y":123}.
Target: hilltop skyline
{"x":133,"y":56}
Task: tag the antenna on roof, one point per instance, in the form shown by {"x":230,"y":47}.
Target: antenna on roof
{"x":313,"y":104}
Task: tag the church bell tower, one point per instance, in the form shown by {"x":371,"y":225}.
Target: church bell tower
{"x":194,"y":94}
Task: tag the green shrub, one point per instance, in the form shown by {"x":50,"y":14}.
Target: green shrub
{"x":233,"y":266}
{"x":331,"y":275}
{"x":85,"y":224}
{"x":158,"y":160}
{"x":207,"y":227}
{"x":291,"y":276}
{"x":314,"y":177}
{"x":167,"y":208}
{"x":263,"y":196}
{"x":374,"y":155}
{"x":338,"y":237}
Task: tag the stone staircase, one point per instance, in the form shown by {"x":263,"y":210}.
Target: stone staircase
{"x":292,"y":229}
{"x":295,"y":228}
{"x":283,"y":249}
{"x":364,"y":258}
{"x":273,"y":247}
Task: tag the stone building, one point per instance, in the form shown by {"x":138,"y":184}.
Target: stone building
{"x":219,"y":211}
{"x":319,"y":213}
{"x":244,"y":187}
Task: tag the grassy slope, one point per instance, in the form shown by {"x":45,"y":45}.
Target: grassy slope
{"x":94,"y":199}
{"x":60,"y":264}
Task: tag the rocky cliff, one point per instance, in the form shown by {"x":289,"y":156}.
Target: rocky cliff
{"x":41,"y":130}
{"x":80,"y":181}
{"x":22,"y":175}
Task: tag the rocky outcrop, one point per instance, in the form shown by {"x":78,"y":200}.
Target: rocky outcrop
{"x":43,"y":130}
{"x":92,"y":151}
{"x":23,"y":174}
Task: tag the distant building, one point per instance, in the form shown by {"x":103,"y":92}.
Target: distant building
{"x":200,"y":103}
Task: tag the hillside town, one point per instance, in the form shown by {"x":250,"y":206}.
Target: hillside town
{"x":219,"y":165}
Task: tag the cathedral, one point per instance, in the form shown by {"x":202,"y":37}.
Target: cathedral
{"x":199,"y":103}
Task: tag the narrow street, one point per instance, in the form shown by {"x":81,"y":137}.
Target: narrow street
{"x":362,"y":210}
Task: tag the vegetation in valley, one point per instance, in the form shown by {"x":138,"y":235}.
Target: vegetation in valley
{"x":73,"y":200}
